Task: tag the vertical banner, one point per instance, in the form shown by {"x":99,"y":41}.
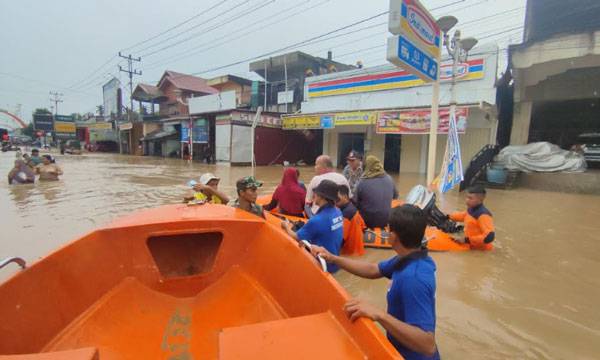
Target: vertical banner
{"x":452,"y":169}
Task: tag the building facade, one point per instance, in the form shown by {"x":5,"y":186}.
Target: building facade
{"x":556,"y":72}
{"x":385,"y":111}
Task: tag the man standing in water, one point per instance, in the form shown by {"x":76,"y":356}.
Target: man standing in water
{"x":410,"y":317}
{"x":247,"y":190}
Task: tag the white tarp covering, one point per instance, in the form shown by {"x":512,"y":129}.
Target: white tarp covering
{"x":541,"y":157}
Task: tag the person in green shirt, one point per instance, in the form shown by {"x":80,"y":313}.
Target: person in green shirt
{"x":247,"y":190}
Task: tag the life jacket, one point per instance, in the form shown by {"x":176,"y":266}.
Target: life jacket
{"x":479,"y":227}
{"x":353,"y":235}
{"x":199,"y":196}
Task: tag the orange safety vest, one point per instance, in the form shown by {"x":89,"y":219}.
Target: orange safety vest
{"x":353,"y":235}
{"x":479,"y":227}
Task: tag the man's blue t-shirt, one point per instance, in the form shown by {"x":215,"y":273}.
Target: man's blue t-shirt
{"x":325,"y":229}
{"x":411,"y":296}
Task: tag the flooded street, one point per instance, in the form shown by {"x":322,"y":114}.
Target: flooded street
{"x":535,"y":296}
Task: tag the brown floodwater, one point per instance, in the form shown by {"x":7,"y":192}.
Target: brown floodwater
{"x":536,"y":296}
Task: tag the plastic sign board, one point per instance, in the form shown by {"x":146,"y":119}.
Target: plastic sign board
{"x":285,"y":97}
{"x":410,"y":18}
{"x":404,"y":53}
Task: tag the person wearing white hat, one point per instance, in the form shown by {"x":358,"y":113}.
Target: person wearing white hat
{"x":207,"y":190}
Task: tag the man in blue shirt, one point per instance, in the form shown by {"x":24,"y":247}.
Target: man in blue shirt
{"x":410,"y":317}
{"x":326,"y":228}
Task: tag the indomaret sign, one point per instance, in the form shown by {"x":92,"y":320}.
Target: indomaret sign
{"x":416,"y":44}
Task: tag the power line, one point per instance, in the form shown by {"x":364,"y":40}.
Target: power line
{"x":176,"y":26}
{"x":193,"y":27}
{"x":226,"y":22}
{"x":245,"y":32}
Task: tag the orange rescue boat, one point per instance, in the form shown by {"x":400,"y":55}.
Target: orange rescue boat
{"x":182,"y":282}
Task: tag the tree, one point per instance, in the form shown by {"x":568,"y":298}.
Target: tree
{"x":42,"y":111}
{"x":28,"y":130}
{"x":100,"y":110}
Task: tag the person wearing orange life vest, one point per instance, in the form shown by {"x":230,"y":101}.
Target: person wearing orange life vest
{"x":479,"y":225}
{"x":354,"y":225}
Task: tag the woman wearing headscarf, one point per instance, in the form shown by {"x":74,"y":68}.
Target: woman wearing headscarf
{"x":289,"y":195}
{"x":374,"y":194}
{"x":21,"y":174}
{"x":48,"y":170}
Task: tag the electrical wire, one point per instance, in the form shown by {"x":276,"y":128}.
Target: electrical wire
{"x":175,"y":26}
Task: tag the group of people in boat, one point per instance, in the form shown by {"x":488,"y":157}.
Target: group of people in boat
{"x":27,"y":166}
{"x":339,"y":207}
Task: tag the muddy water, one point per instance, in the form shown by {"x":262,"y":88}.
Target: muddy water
{"x":536,"y":296}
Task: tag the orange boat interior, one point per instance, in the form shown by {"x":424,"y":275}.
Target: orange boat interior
{"x":182,"y":282}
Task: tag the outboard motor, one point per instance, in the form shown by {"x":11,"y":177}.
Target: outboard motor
{"x":423,"y":198}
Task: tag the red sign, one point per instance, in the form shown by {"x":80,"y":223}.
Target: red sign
{"x":417,"y":121}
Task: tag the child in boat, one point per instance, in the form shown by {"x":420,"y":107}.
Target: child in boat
{"x":326,"y":227}
{"x":354,"y":225}
{"x":247,"y":190}
{"x":207,"y":190}
{"x":410,"y":317}
{"x":479,"y":225}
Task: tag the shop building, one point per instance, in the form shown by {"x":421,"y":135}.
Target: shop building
{"x":556,"y":72}
{"x":385,"y":111}
{"x":159,"y":132}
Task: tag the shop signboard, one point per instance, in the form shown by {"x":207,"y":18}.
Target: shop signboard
{"x":417,"y":121}
{"x":200,"y":132}
{"x":355,"y":118}
{"x":416,"y":44}
{"x":43,"y":122}
{"x":64,"y":127}
{"x":304,"y":122}
{"x":404,"y":53}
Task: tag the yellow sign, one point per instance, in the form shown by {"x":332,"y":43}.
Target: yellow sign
{"x":355,"y":118}
{"x":301,"y":122}
{"x":100,"y":126}
{"x":64,"y":127}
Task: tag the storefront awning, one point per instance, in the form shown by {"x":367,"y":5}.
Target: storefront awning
{"x":158,"y":134}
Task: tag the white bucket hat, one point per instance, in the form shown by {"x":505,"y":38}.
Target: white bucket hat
{"x":206,"y":178}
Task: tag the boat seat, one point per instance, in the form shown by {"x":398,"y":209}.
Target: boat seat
{"x":137,"y":322}
{"x":318,"y":336}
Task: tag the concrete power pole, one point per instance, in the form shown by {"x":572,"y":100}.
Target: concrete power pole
{"x":131,"y":71}
{"x":56,"y":98}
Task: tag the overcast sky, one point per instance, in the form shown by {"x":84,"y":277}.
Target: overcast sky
{"x":70,"y":45}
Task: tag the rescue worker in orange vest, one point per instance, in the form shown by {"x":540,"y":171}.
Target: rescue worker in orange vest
{"x":479,"y":225}
{"x":354,"y":225}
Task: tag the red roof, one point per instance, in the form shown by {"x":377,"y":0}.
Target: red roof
{"x":187,"y":82}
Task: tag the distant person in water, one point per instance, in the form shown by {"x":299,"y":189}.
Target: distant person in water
{"x":289,"y":196}
{"x":207,"y":190}
{"x":479,"y":224}
{"x":247,"y":190}
{"x":35,"y":157}
{"x":374,"y":194}
{"x":21,"y":173}
{"x":48,"y":170}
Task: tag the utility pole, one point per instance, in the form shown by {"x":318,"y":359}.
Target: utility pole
{"x":56,"y":98}
{"x":131,"y":71}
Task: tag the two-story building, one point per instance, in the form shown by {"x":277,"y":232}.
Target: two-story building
{"x":162,"y":129}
